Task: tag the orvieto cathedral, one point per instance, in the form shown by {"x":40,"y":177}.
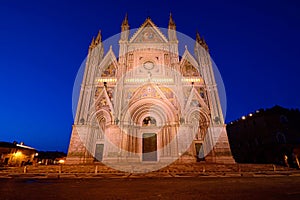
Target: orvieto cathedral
{"x":149,"y":104}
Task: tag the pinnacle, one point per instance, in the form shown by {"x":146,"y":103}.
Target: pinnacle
{"x":171,"y":21}
{"x":125,"y":21}
{"x":98,"y":38}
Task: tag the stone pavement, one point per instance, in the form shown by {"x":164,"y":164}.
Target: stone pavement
{"x":204,"y":188}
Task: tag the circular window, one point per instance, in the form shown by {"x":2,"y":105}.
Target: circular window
{"x":148,"y":65}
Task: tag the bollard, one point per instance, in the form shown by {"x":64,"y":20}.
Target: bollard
{"x":96,"y":169}
{"x":59,"y":169}
{"x":25,"y":169}
{"x":297,"y":162}
{"x":274,"y":168}
{"x":203,"y":169}
{"x":239,"y":168}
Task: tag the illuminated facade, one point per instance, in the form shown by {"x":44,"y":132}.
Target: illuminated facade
{"x":13,"y":154}
{"x":148,"y":104}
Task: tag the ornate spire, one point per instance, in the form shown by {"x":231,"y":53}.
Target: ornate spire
{"x":204,"y":44}
{"x":201,"y":41}
{"x":125,"y":24}
{"x":98,"y":38}
{"x":198,"y":38}
{"x":172,"y":24}
{"x":92,"y":45}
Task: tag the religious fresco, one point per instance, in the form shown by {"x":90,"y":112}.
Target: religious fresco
{"x":195,"y":103}
{"x":167,"y":92}
{"x":201,"y":91}
{"x":189,"y":70}
{"x":129,"y":93}
{"x":148,"y":35}
{"x":149,"y":91}
{"x":149,"y":121}
{"x":110,"y":71}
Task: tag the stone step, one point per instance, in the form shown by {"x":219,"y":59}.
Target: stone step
{"x":101,"y":168}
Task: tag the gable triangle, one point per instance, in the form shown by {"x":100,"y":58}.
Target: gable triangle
{"x":195,"y":100}
{"x":103,"y":101}
{"x":148,"y":33}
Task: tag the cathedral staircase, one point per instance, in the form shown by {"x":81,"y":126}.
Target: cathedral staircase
{"x":173,"y":170}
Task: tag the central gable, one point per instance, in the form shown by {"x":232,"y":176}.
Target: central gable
{"x":148,"y":33}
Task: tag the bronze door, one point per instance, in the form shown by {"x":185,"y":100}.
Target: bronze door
{"x":149,"y":147}
{"x":99,"y":152}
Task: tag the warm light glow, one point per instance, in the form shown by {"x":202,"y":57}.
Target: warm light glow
{"x":101,"y":80}
{"x":155,"y":80}
{"x":36,"y":154}
{"x":18,"y":154}
{"x":162,"y":80}
{"x":243,"y":118}
{"x":61,"y":161}
{"x":135,"y":80}
{"x":192,"y":80}
{"x":250,"y":114}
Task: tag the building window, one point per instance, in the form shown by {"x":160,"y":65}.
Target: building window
{"x":283,"y":119}
{"x":131,"y":57}
{"x":280,"y":138}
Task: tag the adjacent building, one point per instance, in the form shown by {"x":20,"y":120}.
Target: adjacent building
{"x":50,"y":157}
{"x":266,"y":136}
{"x":14,"y":154}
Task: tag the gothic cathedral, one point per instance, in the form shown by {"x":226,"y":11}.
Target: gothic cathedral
{"x":149,"y":104}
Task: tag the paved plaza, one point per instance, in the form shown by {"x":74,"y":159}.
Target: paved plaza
{"x":269,"y":187}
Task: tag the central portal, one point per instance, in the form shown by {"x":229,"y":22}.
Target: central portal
{"x":149,"y":147}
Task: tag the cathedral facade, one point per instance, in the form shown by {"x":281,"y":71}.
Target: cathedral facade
{"x":148,"y":104}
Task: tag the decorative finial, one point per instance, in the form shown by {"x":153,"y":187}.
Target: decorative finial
{"x":125,"y":24}
{"x":204,"y":44}
{"x":172,"y":24}
{"x":98,"y":38}
{"x":148,"y":14}
{"x":92,"y":45}
{"x":198,"y":38}
{"x":125,"y":21}
{"x":201,"y":41}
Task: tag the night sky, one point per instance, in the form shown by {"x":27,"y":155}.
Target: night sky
{"x":255,"y":45}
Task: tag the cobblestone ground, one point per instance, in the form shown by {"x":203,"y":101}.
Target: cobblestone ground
{"x":283,"y":187}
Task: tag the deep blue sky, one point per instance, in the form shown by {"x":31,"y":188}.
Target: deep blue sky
{"x":42,"y":44}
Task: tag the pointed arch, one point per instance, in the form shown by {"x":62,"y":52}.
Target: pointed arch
{"x":188,"y":65}
{"x":103,"y":96}
{"x":109,"y":65}
{"x":156,"y":92}
{"x":194,"y":94}
{"x":156,"y":108}
{"x":101,"y":113}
